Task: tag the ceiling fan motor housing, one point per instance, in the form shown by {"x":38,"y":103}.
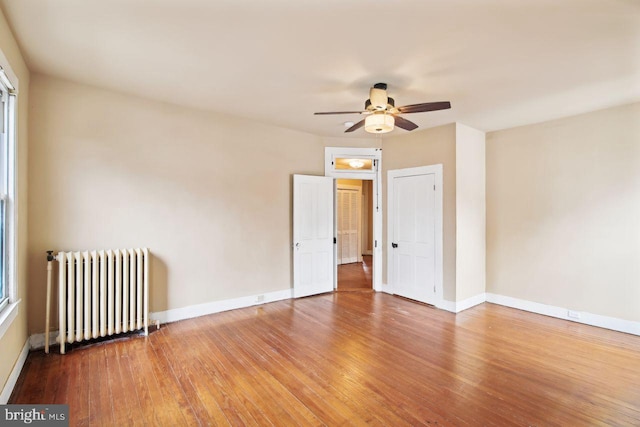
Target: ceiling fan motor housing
{"x":391,"y":103}
{"x":378,"y":98}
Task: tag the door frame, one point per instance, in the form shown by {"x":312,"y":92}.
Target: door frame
{"x":375,"y":154}
{"x":438,"y":215}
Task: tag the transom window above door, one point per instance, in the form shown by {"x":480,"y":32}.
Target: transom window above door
{"x":343,"y":163}
{"x":352,"y":163}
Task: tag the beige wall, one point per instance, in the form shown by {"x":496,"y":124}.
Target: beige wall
{"x":563,"y":212}
{"x":423,"y":148}
{"x":11,"y":60}
{"x":470,"y":212}
{"x":363,"y":142}
{"x":210,"y":195}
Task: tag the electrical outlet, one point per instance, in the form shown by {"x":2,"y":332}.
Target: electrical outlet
{"x":573,"y":314}
{"x":260,"y":298}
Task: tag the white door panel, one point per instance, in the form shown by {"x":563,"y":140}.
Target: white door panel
{"x":413,"y":232}
{"x":312,"y":235}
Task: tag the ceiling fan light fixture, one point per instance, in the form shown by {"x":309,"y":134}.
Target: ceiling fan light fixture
{"x":379,"y":123}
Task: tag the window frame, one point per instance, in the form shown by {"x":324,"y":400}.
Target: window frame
{"x":8,"y":139}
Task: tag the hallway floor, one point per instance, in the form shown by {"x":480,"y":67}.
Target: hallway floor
{"x":355,"y":276}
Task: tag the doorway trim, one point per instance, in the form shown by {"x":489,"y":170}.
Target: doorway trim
{"x":375,"y":154}
{"x":438,"y":220}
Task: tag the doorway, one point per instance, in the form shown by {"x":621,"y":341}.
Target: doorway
{"x":362,"y":165}
{"x":354,"y":226}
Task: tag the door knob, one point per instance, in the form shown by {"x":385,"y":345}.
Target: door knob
{"x":394,"y":245}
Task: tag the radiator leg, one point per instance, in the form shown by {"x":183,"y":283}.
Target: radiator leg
{"x":50,"y":259}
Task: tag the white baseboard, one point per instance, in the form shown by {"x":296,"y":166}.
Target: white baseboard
{"x":15,"y":373}
{"x":613,"y":323}
{"x":470,"y":302}
{"x":452,"y":306}
{"x":447,"y":305}
{"x":458,"y":306}
{"x":218,"y":306}
{"x":387,"y":289}
{"x":36,"y":341}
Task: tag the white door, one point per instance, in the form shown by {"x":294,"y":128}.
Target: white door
{"x":413,"y":237}
{"x":348,"y":217}
{"x":312,"y":235}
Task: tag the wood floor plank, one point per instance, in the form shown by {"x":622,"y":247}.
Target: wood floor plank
{"x":166,"y":408}
{"x":315,"y":395}
{"x":348,"y":358}
{"x":100,"y":400}
{"x":253,"y":336}
{"x":124,"y":399}
{"x":55,"y":379}
{"x":31,"y":387}
{"x":136,"y":368}
{"x":365,"y":399}
{"x":205,"y":398}
{"x":466,"y":375}
{"x":80,"y":406}
{"x":349,"y":388}
{"x":176,"y":381}
{"x":403,"y":379}
{"x":167,"y":394}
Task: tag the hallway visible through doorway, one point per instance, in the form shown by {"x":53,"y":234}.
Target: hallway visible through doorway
{"x":355,"y":276}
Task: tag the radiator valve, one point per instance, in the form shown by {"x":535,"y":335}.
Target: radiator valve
{"x":50,"y":256}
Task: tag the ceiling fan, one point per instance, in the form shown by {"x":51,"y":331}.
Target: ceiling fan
{"x":383,"y":115}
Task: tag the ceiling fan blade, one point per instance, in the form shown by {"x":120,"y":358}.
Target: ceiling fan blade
{"x":339,"y":112}
{"x":404,"y":123}
{"x":356,"y":126}
{"x":422,"y":108}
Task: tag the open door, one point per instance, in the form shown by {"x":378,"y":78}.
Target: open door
{"x":312,"y":235}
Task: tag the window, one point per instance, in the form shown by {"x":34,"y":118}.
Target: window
{"x":7,"y":145}
{"x":352,"y":163}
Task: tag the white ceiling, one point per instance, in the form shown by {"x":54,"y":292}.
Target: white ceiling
{"x":501,"y":63}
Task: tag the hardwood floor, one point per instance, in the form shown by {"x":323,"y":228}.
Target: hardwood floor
{"x":348,"y":358}
{"x":356,"y":276}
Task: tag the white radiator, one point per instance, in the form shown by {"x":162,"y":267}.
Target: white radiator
{"x":102,"y":293}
